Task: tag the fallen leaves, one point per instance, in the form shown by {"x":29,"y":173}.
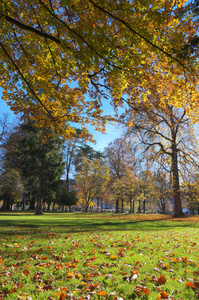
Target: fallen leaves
{"x":99,"y":265}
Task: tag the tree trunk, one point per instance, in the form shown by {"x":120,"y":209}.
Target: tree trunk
{"x":53,"y":208}
{"x":144,"y":206}
{"x":130,"y":209}
{"x":163,"y":206}
{"x":122,"y":204}
{"x":48,"y":208}
{"x":23,"y":201}
{"x":117,"y":206}
{"x":41,"y":190}
{"x":6,"y":205}
{"x":139,"y":210}
{"x":176,"y":185}
{"x":32,"y":203}
{"x":102,"y":206}
{"x":39,"y":207}
{"x":174,"y":169}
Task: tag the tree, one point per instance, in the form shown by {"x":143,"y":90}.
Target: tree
{"x":88,"y":152}
{"x":166,"y":131}
{"x":163,"y":189}
{"x":66,"y":198}
{"x":191,"y":192}
{"x":46,"y":45}
{"x":42,"y":163}
{"x":3,"y":128}
{"x":70,"y":155}
{"x":91,"y":180}
{"x":120,"y":160}
{"x":11,"y":188}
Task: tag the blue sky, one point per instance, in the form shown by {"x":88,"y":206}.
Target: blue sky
{"x":102,"y":140}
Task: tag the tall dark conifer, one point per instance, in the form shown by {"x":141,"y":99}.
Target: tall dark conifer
{"x":42,"y":163}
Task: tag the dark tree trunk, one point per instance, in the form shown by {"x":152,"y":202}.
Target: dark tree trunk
{"x":176,"y":186}
{"x":163,"y":206}
{"x":117,"y":206}
{"x":23,"y":201}
{"x":6,"y":205}
{"x":39,"y":207}
{"x":48,"y":208}
{"x":139,"y":207}
{"x":174,"y":169}
{"x":97,"y":204}
{"x":122,"y":204}
{"x":32,"y":203}
{"x":144,"y":206}
{"x":102,"y":205}
{"x":132,"y":206}
{"x":53,"y":208}
{"x":41,"y":188}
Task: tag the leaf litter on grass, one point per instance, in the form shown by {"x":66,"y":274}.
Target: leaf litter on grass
{"x":52,"y":263}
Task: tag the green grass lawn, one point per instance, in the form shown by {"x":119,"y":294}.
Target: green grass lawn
{"x":98,"y":256}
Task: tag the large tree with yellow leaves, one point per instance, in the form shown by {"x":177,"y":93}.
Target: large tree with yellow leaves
{"x":54,"y":53}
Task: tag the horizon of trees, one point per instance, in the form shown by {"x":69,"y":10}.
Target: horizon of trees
{"x":59,"y":60}
{"x":124,"y":177}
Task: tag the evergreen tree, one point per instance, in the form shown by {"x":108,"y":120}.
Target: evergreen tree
{"x":42,"y":160}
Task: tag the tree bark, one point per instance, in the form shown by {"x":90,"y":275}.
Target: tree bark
{"x":144,"y":206}
{"x":117,"y":206}
{"x":6,"y":205}
{"x":41,"y":178}
{"x":139,"y":210}
{"x":39,"y":207}
{"x":174,"y":168}
{"x":176,"y":185}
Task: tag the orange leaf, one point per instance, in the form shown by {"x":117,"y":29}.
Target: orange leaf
{"x":161,"y":280}
{"x":58,"y":267}
{"x":62,"y":296}
{"x":101,"y":293}
{"x":70,"y":275}
{"x":40,"y":250}
{"x":12,"y":291}
{"x":190,"y":284}
{"x":113,"y":257}
{"x":163,"y":295}
{"x":26,"y":272}
{"x":63,"y":289}
{"x":145,"y":290}
{"x":1,"y":260}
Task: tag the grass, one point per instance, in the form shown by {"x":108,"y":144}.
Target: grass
{"x":98,"y":256}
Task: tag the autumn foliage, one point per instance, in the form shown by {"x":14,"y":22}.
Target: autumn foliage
{"x":55,"y":53}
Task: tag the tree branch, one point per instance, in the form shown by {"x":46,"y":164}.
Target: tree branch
{"x":31,"y":29}
{"x":25,"y":80}
{"x":138,"y":34}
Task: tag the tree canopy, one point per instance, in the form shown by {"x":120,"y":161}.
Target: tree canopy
{"x":55,"y":53}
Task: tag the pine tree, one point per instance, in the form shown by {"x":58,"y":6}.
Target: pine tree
{"x":42,"y":163}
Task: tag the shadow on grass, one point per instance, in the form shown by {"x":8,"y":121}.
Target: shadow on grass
{"x":63,"y":225}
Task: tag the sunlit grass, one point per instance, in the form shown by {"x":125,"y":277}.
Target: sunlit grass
{"x":101,"y":256}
